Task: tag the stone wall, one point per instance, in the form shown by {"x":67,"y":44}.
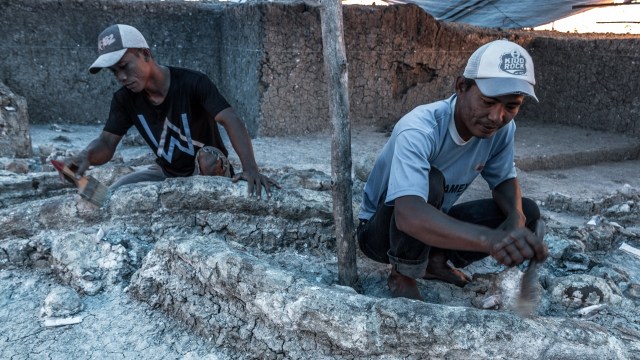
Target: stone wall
{"x":46,"y":48}
{"x":398,"y":57}
{"x":267,"y":60}
{"x":588,"y":82}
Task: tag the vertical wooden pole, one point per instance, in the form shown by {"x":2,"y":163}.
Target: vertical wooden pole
{"x":335,"y":60}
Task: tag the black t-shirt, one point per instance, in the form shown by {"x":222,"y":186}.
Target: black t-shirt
{"x":176,"y":129}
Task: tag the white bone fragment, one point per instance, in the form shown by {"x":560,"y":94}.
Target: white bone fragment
{"x":51,"y":322}
{"x":630,"y":249}
{"x":589,"y":309}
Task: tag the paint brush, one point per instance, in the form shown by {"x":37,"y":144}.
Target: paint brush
{"x":88,"y":187}
{"x":529,"y":297}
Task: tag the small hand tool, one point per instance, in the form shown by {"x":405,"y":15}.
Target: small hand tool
{"x":529,"y":297}
{"x":88,"y":187}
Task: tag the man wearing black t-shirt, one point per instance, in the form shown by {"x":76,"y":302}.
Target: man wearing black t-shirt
{"x":174,"y":110}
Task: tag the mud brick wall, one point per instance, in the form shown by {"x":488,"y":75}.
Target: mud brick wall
{"x":398,"y":57}
{"x":591,"y":83}
{"x":267,"y":60}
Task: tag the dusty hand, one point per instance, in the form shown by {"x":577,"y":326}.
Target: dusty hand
{"x":517,"y":246}
{"x":255,"y":180}
{"x":78,"y":163}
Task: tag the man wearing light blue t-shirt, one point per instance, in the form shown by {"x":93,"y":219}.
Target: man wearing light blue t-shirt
{"x":408,"y":218}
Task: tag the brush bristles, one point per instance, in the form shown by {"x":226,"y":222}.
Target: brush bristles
{"x":529,"y":297}
{"x":92,"y":190}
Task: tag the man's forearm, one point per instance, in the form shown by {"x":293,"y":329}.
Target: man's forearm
{"x":239,"y":137}
{"x":433,"y":227}
{"x":508,"y":197}
{"x":241,"y":143}
{"x":96,"y":152}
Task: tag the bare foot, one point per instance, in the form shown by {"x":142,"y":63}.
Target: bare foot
{"x":438,"y":269}
{"x":403,"y":286}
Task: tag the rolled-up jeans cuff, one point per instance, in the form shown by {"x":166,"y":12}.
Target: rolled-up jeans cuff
{"x":412,"y":268}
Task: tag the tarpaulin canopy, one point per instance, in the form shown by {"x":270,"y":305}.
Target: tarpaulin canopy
{"x":508,"y":14}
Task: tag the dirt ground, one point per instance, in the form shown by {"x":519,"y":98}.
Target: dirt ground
{"x":114,"y":326}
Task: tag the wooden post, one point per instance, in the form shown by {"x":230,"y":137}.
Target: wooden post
{"x":335,"y":60}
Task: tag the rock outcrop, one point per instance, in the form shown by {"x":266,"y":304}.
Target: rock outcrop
{"x":15,"y":140}
{"x":260,"y":277}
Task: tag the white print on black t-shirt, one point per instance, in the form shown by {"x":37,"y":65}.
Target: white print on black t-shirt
{"x":173,"y":142}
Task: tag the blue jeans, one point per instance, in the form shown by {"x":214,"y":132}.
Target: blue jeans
{"x":380,"y":240}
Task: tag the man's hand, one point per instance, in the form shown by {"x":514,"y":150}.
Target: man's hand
{"x":255,"y":180}
{"x":242,"y":145}
{"x":517,"y":245}
{"x":78,"y":163}
{"x":98,"y":152}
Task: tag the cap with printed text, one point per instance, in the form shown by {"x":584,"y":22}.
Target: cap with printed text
{"x":502,"y":67}
{"x":113,"y":42}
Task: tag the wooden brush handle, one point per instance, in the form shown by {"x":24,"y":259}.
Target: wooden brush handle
{"x":66,"y":172}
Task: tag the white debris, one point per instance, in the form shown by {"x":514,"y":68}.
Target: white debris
{"x":52,"y":322}
{"x":589,"y":309}
{"x":491,"y":302}
{"x":630,"y":249}
{"x":627,"y":190}
{"x":100,"y":234}
{"x":625,"y":208}
{"x":615,"y":224}
{"x":620,"y":208}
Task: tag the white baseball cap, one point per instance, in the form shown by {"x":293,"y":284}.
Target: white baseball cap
{"x":502,"y":67}
{"x":113,"y":42}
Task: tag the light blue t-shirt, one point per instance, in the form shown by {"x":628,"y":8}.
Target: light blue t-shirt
{"x":427,"y":137}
